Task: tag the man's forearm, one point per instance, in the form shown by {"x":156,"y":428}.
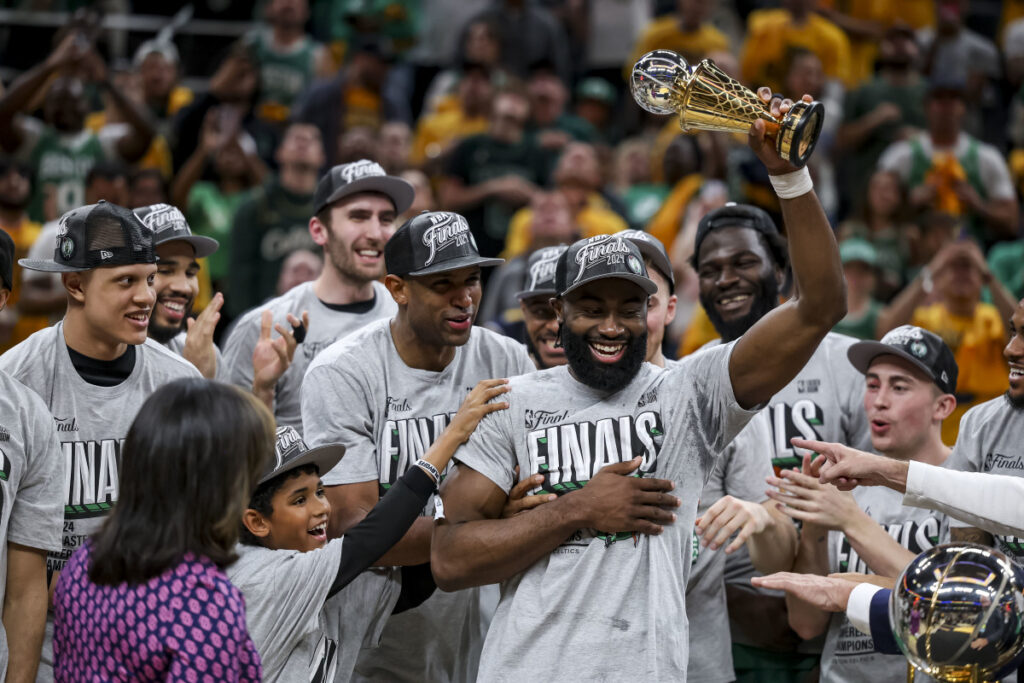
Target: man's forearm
{"x":479,"y":552}
{"x":811,"y":558}
{"x":413,"y":548}
{"x":878,"y":549}
{"x":774,"y":549}
{"x":821,"y":289}
{"x":24,"y":616}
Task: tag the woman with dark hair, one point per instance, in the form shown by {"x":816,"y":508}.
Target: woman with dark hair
{"x":146,"y":598}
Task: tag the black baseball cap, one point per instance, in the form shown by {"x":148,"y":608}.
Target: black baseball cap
{"x":433,"y":242}
{"x":598,"y":258}
{"x":6,"y":260}
{"x":652,"y":249}
{"x":96,"y":236}
{"x":918,"y":346}
{"x":290,"y":452}
{"x":734,"y":215}
{"x":168,"y":225}
{"x":540,"y":273}
{"x":361,"y":176}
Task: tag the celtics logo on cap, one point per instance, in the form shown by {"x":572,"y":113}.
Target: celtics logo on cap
{"x":919,"y":349}
{"x":634,"y":264}
{"x":67,"y":247}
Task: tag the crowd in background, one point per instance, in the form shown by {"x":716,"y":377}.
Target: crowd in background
{"x":517,"y":114}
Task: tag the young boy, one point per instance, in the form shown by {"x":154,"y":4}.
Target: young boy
{"x":304,"y":627}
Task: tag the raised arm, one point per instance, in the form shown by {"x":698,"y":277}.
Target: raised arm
{"x":793,"y":330}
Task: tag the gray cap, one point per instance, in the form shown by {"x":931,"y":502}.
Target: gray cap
{"x":433,"y":242}
{"x":540,"y":273}
{"x":290,"y":452}
{"x":362,"y":176}
{"x":169,"y":225}
{"x":652,"y":249}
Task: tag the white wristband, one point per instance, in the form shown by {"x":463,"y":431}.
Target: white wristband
{"x":793,"y":184}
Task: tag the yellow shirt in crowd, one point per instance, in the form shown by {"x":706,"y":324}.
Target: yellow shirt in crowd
{"x":666,"y":34}
{"x":593,"y":219}
{"x":436,"y":132}
{"x":771,"y":32}
{"x":977,"y":343}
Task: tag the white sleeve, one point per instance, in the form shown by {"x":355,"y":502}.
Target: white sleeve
{"x":994,"y":173}
{"x":858,"y":609}
{"x":965,"y":494}
{"x":896,"y":158}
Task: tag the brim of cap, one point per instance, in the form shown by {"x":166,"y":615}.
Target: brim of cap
{"x":530,"y":293}
{"x":455,"y":264}
{"x":50,"y":266}
{"x":324,"y":457}
{"x":400,"y":191}
{"x":648,"y":250}
{"x":645,"y":283}
{"x":862,"y":353}
{"x":204,"y":246}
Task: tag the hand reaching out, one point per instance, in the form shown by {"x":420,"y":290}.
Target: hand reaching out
{"x":199,"y":348}
{"x":801,"y":496}
{"x":728,"y":516}
{"x":272,"y":357}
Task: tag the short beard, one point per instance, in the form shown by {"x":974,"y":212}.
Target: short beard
{"x":1017,"y":403}
{"x":342,"y":263}
{"x":162,"y":334}
{"x":764,"y":301}
{"x":597,"y":375}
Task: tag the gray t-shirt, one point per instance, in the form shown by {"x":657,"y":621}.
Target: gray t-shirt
{"x":361,"y":394}
{"x":177,"y":345}
{"x":31,"y":480}
{"x":300,"y":634}
{"x":990,"y":440}
{"x":604,"y":606}
{"x":92,"y":422}
{"x":326,"y":326}
{"x":741,"y":472}
{"x":849,"y":656}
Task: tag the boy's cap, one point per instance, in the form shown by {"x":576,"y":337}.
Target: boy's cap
{"x":168,"y":224}
{"x":599,"y":258}
{"x":596,"y":89}
{"x":540,"y":273}
{"x":855,"y":249}
{"x":361,"y":176}
{"x":652,"y":248}
{"x":433,"y":242}
{"x":6,"y":260}
{"x":924,"y":349}
{"x":290,"y":451}
{"x":96,"y":236}
{"x":734,"y":215}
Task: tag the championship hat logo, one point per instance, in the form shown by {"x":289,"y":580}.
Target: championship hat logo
{"x":164,"y":217}
{"x":288,"y":445}
{"x":543,"y":270}
{"x":448,"y":229}
{"x":361,"y":169}
{"x":600,"y":249}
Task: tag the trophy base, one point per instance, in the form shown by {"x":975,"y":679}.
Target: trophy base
{"x":799,"y":132}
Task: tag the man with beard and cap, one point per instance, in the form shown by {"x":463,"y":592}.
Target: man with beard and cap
{"x":31,"y":515}
{"x":60,"y":148}
{"x":177,"y":285}
{"x":732,"y":500}
{"x":741,"y":263}
{"x":354,"y":210}
{"x":95,"y":368}
{"x":586,"y":596}
{"x":386,"y":392}
{"x":541,"y":326}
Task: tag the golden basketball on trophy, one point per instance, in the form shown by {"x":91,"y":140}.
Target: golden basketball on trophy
{"x":707,"y":98}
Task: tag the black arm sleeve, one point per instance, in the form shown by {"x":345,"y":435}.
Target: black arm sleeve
{"x":417,"y":585}
{"x":387,"y":522}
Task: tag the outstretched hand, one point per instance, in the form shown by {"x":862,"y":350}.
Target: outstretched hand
{"x":272,"y":357}
{"x":827,"y":593}
{"x":758,"y":139}
{"x":728,"y":516}
{"x":800,"y":495}
{"x":848,"y":468}
{"x":199,"y":348}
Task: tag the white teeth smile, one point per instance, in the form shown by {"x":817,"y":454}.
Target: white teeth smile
{"x":1016,"y":372}
{"x":141,"y":317}
{"x":607,"y":349}
{"x":725,"y":300}
{"x":173,"y":306}
{"x":368,"y":252}
{"x":319,"y":529}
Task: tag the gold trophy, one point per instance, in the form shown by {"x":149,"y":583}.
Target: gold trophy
{"x":707,"y":98}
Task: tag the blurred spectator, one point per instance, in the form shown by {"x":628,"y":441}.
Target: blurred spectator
{"x":273,"y":221}
{"x":146,"y":186}
{"x":887,"y":108}
{"x":233,"y":90}
{"x":1006,"y":260}
{"x":946,"y":299}
{"x":859,"y":260}
{"x":771,"y":32}
{"x":595,"y":103}
{"x":880,"y":222}
{"x":550,"y":121}
{"x":352,"y":99}
{"x":954,"y":52}
{"x":611,"y":29}
{"x":229,"y":157}
{"x":529,"y":34}
{"x":632,"y":182}
{"x":682,"y":169}
{"x":300,"y":266}
{"x":465,"y":115}
{"x":490,"y":175}
{"x":1013,"y":51}
{"x":687,"y":31}
{"x":578,"y":178}
{"x":481,"y":48}
{"x":157,"y":64}
{"x":59,"y":147}
{"x":396,"y":20}
{"x":934,"y":231}
{"x":423,"y":200}
{"x":394,"y":145}
{"x":15,"y":192}
{"x":948,"y":170}
{"x":287,"y":59}
{"x":42,"y":293}
{"x":864,"y":24}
